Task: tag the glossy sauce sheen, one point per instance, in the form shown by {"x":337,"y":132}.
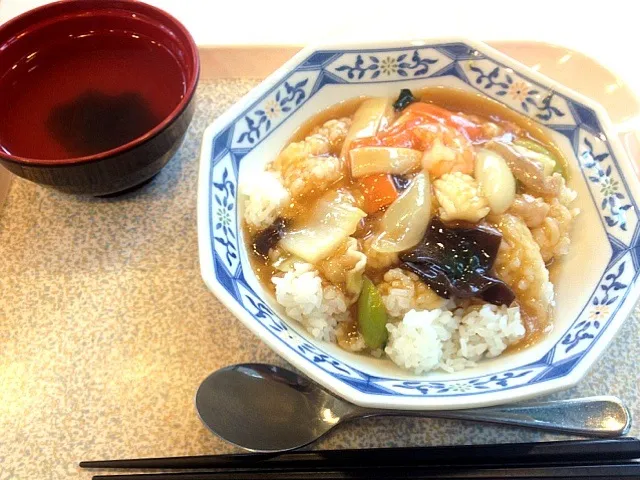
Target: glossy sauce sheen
{"x":454,"y":100}
{"x":451,"y":99}
{"x":86,"y":95}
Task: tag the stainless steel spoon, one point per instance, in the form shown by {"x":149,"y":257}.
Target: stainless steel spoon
{"x":265,"y":408}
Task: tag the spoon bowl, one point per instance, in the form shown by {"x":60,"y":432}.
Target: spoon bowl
{"x":265,"y":408}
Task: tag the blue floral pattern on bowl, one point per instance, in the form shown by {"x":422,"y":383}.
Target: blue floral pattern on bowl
{"x":614,"y":202}
{"x":373,"y":66}
{"x":514,"y":90}
{"x":259,"y":121}
{"x":518,"y":90}
{"x":273,"y":110}
{"x":387,"y":65}
{"x":486,"y":71}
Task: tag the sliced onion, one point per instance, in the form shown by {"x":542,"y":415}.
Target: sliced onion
{"x":372,"y":115}
{"x":374,"y":160}
{"x":406,"y":220}
{"x":334,"y":218}
{"x":495,"y":179}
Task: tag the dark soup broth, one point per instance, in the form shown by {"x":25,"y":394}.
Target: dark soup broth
{"x":86,"y":95}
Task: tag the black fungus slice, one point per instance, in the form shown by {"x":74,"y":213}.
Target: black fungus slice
{"x":269,"y":237}
{"x":401,"y":182}
{"x":456,"y":260}
{"x":404,"y":100}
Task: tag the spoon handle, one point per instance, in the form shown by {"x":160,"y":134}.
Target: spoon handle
{"x":602,"y":416}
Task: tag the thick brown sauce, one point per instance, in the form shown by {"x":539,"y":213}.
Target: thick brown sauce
{"x":534,"y":335}
{"x":452,"y":99}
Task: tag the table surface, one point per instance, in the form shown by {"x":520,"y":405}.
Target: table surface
{"x":107,"y":330}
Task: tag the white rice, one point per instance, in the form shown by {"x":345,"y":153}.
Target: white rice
{"x":402,"y":291}
{"x":318,"y":308}
{"x":430,"y":339}
{"x":421,"y":341}
{"x":488,"y":331}
{"x":265,"y":194}
{"x":416,"y":342}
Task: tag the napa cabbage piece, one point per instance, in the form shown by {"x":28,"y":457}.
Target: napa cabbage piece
{"x":285,"y":263}
{"x":373,"y":114}
{"x":345,"y":267}
{"x":332,"y":220}
{"x":375,"y":160}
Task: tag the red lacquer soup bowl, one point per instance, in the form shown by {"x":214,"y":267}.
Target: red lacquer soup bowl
{"x":96,"y":95}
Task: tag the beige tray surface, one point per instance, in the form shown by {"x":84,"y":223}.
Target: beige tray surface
{"x":107,"y":328}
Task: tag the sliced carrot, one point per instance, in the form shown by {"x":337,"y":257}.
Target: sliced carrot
{"x":428,"y":109}
{"x":419,"y":125}
{"x":379,"y":191}
{"x":401,"y":136}
{"x":470,"y":129}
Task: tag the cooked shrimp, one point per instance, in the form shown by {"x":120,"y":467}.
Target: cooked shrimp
{"x":345,"y":268}
{"x":378,"y":260}
{"x":450,"y":151}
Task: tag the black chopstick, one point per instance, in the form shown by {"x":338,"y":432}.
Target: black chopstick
{"x":543,"y":452}
{"x":623,"y":470}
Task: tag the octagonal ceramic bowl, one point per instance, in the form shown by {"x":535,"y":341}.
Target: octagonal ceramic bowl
{"x":596,"y":284}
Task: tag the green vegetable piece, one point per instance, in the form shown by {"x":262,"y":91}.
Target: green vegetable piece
{"x":559,"y":168}
{"x":372,"y":315}
{"x":536,"y":147}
